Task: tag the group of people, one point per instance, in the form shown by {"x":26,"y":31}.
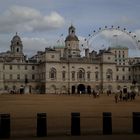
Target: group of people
{"x":124,"y":96}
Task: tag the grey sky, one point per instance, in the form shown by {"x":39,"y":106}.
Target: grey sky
{"x":42,"y":21}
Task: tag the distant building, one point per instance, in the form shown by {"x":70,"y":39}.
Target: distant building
{"x":63,"y":70}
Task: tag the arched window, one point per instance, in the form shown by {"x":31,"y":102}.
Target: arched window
{"x":17,"y":49}
{"x":81,"y":74}
{"x":52,"y":73}
{"x":109,"y":74}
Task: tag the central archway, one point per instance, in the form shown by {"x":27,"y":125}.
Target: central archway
{"x":81,"y":88}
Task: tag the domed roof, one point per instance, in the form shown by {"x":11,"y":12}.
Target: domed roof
{"x":16,"y":38}
{"x":71,"y":27}
{"x":71,"y":38}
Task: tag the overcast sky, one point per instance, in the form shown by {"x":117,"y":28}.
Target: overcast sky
{"x":40,"y":23}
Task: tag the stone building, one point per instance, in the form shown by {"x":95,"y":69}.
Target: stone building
{"x":63,"y":70}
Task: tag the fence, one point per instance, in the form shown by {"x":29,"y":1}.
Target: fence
{"x":75,"y":124}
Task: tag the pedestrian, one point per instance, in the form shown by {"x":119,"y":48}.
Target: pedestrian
{"x":116,"y":97}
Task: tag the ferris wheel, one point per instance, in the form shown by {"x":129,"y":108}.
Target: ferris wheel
{"x":88,"y":40}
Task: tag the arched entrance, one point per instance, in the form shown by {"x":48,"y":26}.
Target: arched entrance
{"x":81,"y":88}
{"x":124,"y":89}
{"x":88,"y":89}
{"x":73,"y":89}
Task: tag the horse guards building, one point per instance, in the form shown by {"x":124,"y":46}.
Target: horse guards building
{"x":63,"y":70}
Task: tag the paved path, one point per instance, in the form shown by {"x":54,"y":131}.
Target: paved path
{"x":94,"y":137}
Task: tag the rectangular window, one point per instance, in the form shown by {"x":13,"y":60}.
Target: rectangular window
{"x":117,"y":77}
{"x":63,"y":75}
{"x":123,"y":78}
{"x":11,"y":77}
{"x":18,"y":67}
{"x":96,"y":76}
{"x":33,"y":77}
{"x":33,"y":67}
{"x":26,"y":76}
{"x":10,"y":67}
{"x":25,"y":67}
{"x":18,"y":76}
{"x":3,"y":76}
{"x":73,"y":75}
{"x":88,"y":75}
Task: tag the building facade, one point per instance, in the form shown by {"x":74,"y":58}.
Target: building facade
{"x":63,"y":70}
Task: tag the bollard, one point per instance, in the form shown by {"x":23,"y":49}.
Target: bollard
{"x":75,"y":124}
{"x":107,"y":123}
{"x":4,"y":126}
{"x":136,"y":122}
{"x":41,"y":125}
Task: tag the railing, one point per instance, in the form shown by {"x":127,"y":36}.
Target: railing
{"x":74,"y":124}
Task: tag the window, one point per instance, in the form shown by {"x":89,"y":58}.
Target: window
{"x":109,"y":58}
{"x":123,"y":69}
{"x":18,"y":67}
{"x":63,"y":66}
{"x":88,"y":75}
{"x":17,"y":49}
{"x":18,"y":76}
{"x":109,"y":74}
{"x":33,"y":67}
{"x":123,"y":78}
{"x":117,"y":77}
{"x":3,"y":76}
{"x":129,"y":69}
{"x":52,"y":56}
{"x":129,"y":78}
{"x":26,"y":76}
{"x":11,"y":77}
{"x":96,"y":76}
{"x":117,"y":69}
{"x":3,"y":67}
{"x":6,"y":87}
{"x":33,"y":77}
{"x":10,"y":67}
{"x":81,"y":74}
{"x":53,"y":73}
{"x":63,"y":75}
{"x":26,"y":67}
{"x":73,"y":75}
